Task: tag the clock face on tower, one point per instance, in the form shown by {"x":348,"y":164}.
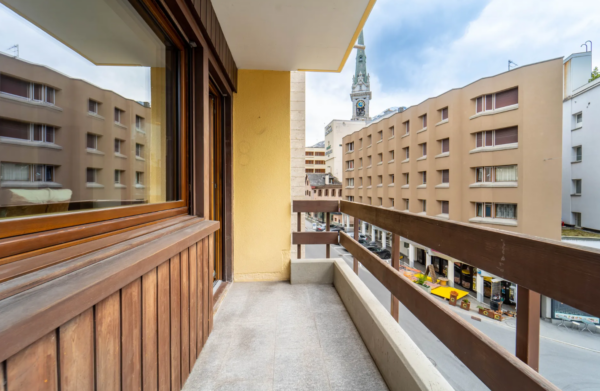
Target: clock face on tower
{"x":360,"y":108}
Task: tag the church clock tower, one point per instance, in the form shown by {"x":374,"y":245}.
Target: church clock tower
{"x":361,"y":87}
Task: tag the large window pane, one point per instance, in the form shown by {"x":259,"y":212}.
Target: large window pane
{"x":506,"y":136}
{"x":68,"y":103}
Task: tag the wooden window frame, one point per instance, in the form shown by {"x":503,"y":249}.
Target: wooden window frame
{"x":42,"y":224}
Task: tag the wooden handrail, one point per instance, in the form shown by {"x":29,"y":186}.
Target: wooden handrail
{"x":561,"y":271}
{"x":315,"y":206}
{"x":491,"y":363}
{"x":315,"y":237}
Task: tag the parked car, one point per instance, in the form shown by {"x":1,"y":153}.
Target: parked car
{"x":373,"y":243}
{"x":320,"y":227}
{"x":364,"y":242}
{"x":373,"y":249}
{"x":337,"y":229}
{"x":384,"y":254}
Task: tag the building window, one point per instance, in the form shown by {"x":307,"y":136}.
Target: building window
{"x":424,"y":205}
{"x":350,"y":165}
{"x":380,"y":134}
{"x":92,"y":141}
{"x":380,"y":201}
{"x":307,"y":153}
{"x":19,"y":172}
{"x":392,"y":155}
{"x":320,"y":162}
{"x":369,"y":200}
{"x":407,"y":127}
{"x":319,"y":153}
{"x":500,"y":211}
{"x":380,"y":157}
{"x":445,"y":176}
{"x":350,"y":182}
{"x":392,"y":202}
{"x":360,"y":143}
{"x":497,"y":174}
{"x":391,"y":178}
{"x":423,"y":149}
{"x":406,"y":204}
{"x":369,"y":180}
{"x":118,"y":176}
{"x":320,"y":193}
{"x":309,"y":170}
{"x":497,"y":100}
{"x":424,"y":120}
{"x":424,"y":177}
{"x":28,"y":90}
{"x":26,"y":131}
{"x":350,"y":198}
{"x":445,"y":145}
{"x":118,"y":115}
{"x":392,"y":134}
{"x":339,"y":192}
{"x":326,"y":192}
{"x":406,"y":178}
{"x":491,"y":138}
{"x":445,"y":207}
{"x":118,"y":145}
{"x":93,"y":106}
{"x":444,"y":113}
{"x":350,"y":147}
{"x":577,"y":186}
{"x":577,"y":154}
{"x":406,"y":154}
{"x":578,"y":119}
{"x":369,"y":140}
{"x":139,"y":150}
{"x":370,"y":160}
{"x":380,"y":179}
{"x":319,"y":171}
{"x":139,"y":178}
{"x":310,"y":162}
{"x":360,"y":162}
{"x":92,"y":175}
{"x":139,"y":123}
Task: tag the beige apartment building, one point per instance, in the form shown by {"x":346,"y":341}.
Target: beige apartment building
{"x":326,"y":187}
{"x":315,"y":158}
{"x":487,"y":154}
{"x":65,"y":142}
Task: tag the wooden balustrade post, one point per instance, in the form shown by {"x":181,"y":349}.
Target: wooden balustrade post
{"x":299,"y":230}
{"x":395,"y":307}
{"x":528,"y":327}
{"x":356,"y":224}
{"x":327,"y":229}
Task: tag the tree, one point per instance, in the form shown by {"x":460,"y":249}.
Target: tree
{"x":595,"y":75}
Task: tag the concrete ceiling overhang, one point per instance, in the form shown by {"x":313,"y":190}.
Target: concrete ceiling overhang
{"x":286,"y":35}
{"x":106,"y":32}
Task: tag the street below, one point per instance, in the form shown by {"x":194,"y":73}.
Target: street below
{"x":568,"y":358}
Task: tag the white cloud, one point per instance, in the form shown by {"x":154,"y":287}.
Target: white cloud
{"x":520,"y":30}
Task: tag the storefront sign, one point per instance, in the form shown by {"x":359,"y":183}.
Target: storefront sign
{"x":577,"y":318}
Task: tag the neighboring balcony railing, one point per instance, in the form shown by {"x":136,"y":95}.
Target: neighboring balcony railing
{"x":538,"y":266}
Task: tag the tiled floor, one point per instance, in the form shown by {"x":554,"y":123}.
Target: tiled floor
{"x":277,"y":336}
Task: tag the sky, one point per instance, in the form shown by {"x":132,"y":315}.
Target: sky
{"x":38,"y":47}
{"x":420,"y":49}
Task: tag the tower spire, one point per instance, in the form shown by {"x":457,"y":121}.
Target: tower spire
{"x":361,"y":87}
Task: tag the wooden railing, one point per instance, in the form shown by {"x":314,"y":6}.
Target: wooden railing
{"x":125,"y":312}
{"x":564,"y":272}
{"x":325,"y":237}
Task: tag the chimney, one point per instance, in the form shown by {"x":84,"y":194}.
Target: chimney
{"x":577,"y":70}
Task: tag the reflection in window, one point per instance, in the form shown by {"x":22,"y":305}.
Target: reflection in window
{"x":62,"y":94}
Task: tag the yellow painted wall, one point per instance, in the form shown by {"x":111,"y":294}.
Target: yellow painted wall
{"x":261,"y":176}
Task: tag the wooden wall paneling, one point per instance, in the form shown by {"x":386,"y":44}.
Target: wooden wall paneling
{"x":207,"y":286}
{"x":131,"y":335}
{"x":150,"y":331}
{"x":77,"y":353}
{"x":209,"y":19}
{"x":211,"y":265}
{"x":193,"y":259}
{"x":185,"y":316}
{"x":164,"y":326}
{"x":203,"y":11}
{"x":108,"y":343}
{"x":35,"y":367}
{"x":201,"y":285}
{"x":176,"y":322}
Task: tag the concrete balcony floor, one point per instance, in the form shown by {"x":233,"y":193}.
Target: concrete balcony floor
{"x":277,"y":336}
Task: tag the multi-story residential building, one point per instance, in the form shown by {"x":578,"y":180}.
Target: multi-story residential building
{"x":488,"y":154}
{"x":324,"y":187}
{"x":66,"y":135}
{"x":315,"y":158}
{"x":335,"y":131}
{"x":580,"y":183}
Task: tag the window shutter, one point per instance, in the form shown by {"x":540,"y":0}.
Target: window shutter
{"x":506,"y":136}
{"x":479,"y":104}
{"x":13,"y":86}
{"x":489,"y":102}
{"x":507,"y":98}
{"x":14,"y":129}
